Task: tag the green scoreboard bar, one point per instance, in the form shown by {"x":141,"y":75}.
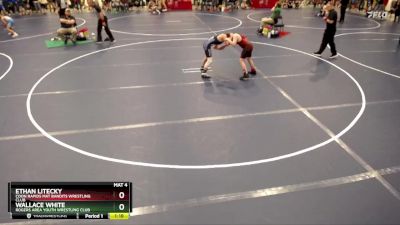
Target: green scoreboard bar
{"x":70,"y":200}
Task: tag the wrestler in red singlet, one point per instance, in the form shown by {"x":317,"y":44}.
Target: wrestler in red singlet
{"x":246,"y":46}
{"x":247,"y":49}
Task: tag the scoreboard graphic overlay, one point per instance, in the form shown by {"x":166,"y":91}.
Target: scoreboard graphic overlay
{"x":70,"y":200}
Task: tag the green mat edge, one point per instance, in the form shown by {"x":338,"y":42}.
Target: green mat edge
{"x":57,"y":44}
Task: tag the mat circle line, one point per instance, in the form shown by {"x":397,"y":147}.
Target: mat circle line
{"x":183,"y":34}
{"x":9,"y":67}
{"x":192,"y":167}
{"x":320,"y":28}
{"x":362,"y":64}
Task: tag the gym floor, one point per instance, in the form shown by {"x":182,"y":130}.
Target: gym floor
{"x":307,"y":141}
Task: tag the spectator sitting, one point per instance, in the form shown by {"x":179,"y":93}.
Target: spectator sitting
{"x":11,"y":6}
{"x":43,"y":6}
{"x":36,"y":6}
{"x":152,"y":7}
{"x":245,"y":4}
{"x":276,"y":13}
{"x":125,"y":5}
{"x":230,"y":5}
{"x":136,"y":4}
{"x":116,"y":4}
{"x":21,"y":8}
{"x":68,"y":26}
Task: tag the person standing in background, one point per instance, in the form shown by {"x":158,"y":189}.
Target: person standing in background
{"x":343,"y":6}
{"x":102,"y":22}
{"x":62,"y":4}
{"x":396,"y":10}
{"x":8,"y":23}
{"x":329,"y":34}
{"x":163,"y":5}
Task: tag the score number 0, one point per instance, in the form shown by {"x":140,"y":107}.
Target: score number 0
{"x":121,"y":206}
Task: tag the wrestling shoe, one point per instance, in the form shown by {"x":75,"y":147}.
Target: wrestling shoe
{"x":253,"y":72}
{"x":333,"y":56}
{"x":204,"y":74}
{"x":244,"y":77}
{"x":110,"y":40}
{"x":317,"y":54}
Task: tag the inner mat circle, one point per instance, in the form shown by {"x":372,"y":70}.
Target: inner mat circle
{"x":113,"y":156}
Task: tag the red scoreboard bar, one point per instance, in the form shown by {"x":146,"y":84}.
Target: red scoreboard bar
{"x":70,"y":200}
